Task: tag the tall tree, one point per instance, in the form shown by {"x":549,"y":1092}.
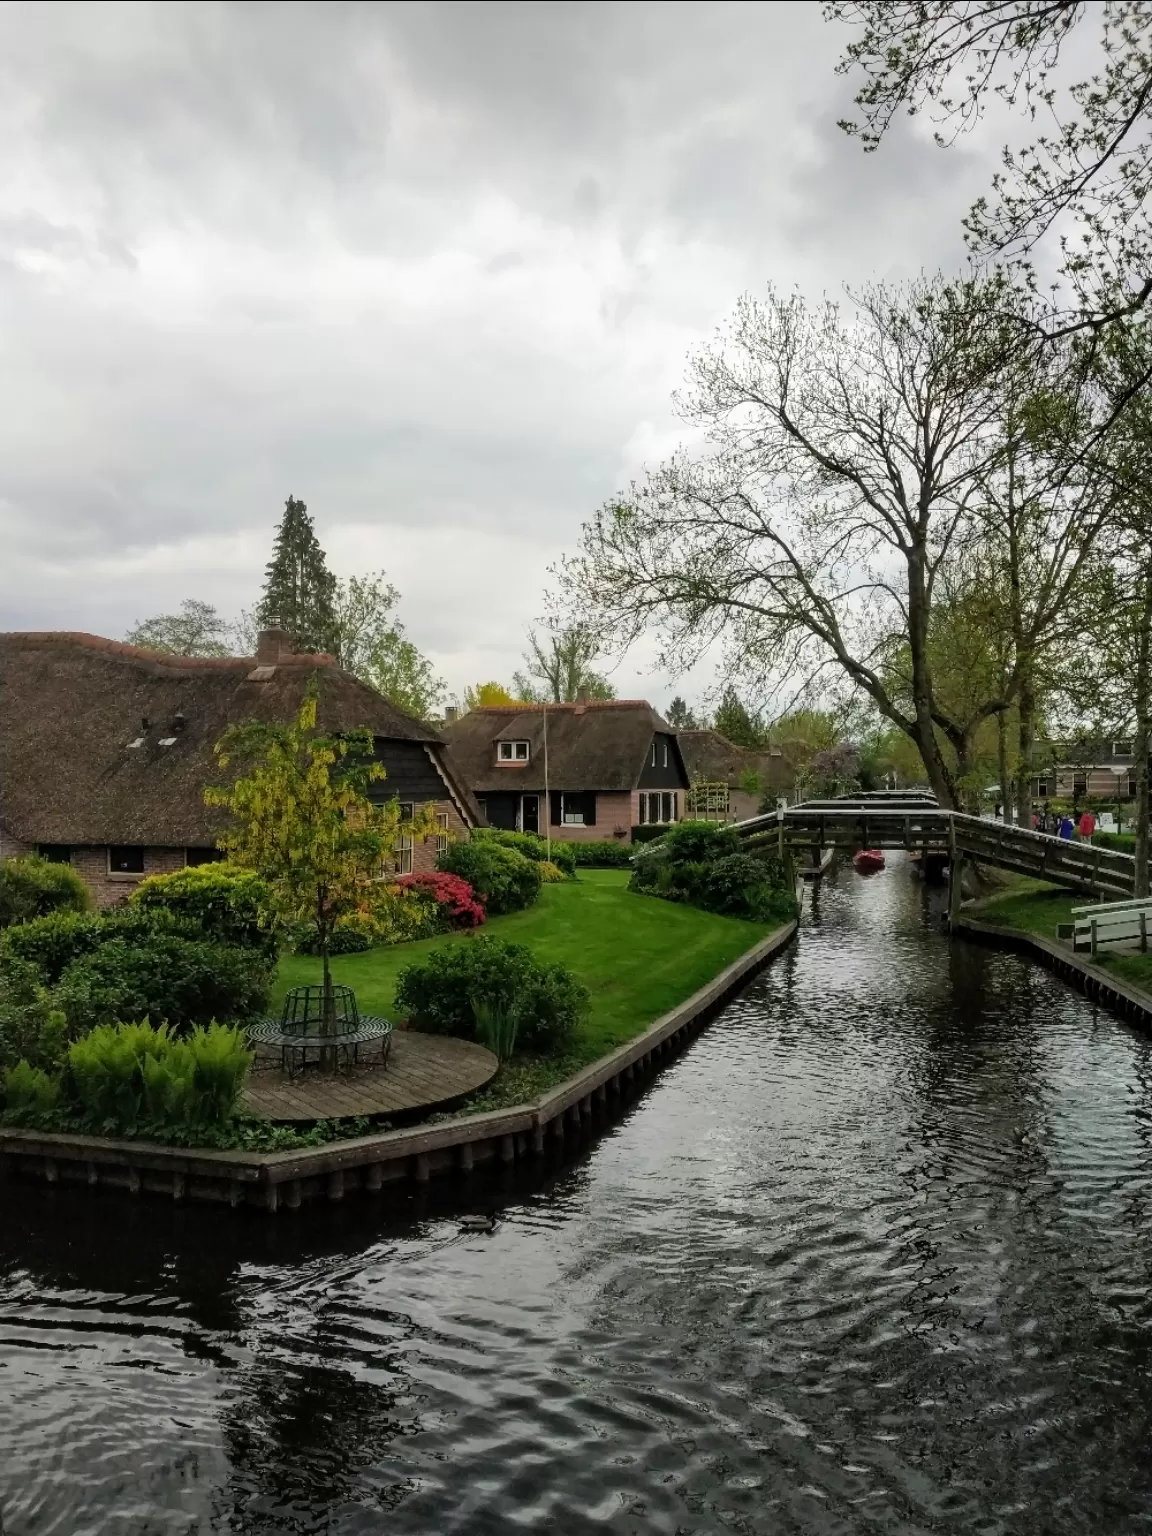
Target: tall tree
{"x":558,"y":668}
{"x":299,"y":590}
{"x":737,"y":722}
{"x":680,"y":717}
{"x":370,"y":642}
{"x":197,"y":630}
{"x":844,"y":453}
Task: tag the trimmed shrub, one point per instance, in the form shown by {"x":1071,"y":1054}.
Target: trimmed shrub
{"x":167,"y":977}
{"x":32,"y":1027}
{"x":226,"y":903}
{"x":127,"y":1075}
{"x":457,"y":906}
{"x":531,"y":845}
{"x":551,"y":874}
{"x":604,"y":854}
{"x":648,"y":832}
{"x":53,"y":942}
{"x":440,"y":993}
{"x":705,"y":866}
{"x":32,"y":887}
{"x":504,"y":880}
{"x":1119,"y":842}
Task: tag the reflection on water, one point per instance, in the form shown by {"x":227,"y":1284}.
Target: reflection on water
{"x":872,"y":1256}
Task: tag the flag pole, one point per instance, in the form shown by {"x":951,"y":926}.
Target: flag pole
{"x":547,"y":796}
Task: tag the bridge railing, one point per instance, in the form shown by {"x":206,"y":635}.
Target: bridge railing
{"x":921,"y":826}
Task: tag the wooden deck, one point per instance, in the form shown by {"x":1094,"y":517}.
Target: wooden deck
{"x":422,"y":1072}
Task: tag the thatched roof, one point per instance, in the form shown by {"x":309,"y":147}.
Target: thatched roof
{"x":103,"y":742}
{"x":601,"y":745}
{"x":712,"y":759}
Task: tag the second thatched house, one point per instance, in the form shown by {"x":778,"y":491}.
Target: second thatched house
{"x":580,"y":772}
{"x":730,"y":783}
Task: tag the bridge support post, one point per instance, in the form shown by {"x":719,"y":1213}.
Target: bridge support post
{"x":955,"y":877}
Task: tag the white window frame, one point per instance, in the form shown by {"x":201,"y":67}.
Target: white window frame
{"x":665,"y":752}
{"x":1122,"y":748}
{"x":442,"y":838}
{"x":572,"y":818}
{"x":663,"y":800}
{"x":510,"y":752}
{"x":652,"y":764}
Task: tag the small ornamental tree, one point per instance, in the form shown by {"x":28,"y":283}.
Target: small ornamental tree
{"x":302,"y":818}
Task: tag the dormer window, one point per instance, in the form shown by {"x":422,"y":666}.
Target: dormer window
{"x":1121,"y":749}
{"x":511,"y":751}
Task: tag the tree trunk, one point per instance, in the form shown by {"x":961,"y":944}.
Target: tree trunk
{"x":1142,"y":701}
{"x":1026,"y":701}
{"x":1002,"y":765}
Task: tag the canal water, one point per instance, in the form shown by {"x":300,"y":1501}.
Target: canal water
{"x":872,"y":1256}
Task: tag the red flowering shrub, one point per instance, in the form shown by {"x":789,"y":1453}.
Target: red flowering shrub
{"x":458,"y":903}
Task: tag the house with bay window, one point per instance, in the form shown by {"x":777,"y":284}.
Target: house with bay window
{"x":105,"y":749}
{"x":578,"y":772}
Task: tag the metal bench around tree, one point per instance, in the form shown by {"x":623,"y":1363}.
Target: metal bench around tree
{"x":306,"y":1038}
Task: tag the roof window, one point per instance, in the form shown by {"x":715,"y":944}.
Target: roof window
{"x":511,"y":751}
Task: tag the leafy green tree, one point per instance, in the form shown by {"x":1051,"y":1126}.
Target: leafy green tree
{"x":197,"y":630}
{"x":558,"y":669}
{"x":395,"y":668}
{"x":301,"y":817}
{"x":487,"y":695}
{"x":680,"y":717}
{"x":735,"y":721}
{"x":299,"y":590}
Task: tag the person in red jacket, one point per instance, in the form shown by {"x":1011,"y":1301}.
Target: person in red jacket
{"x":1087,"y":826}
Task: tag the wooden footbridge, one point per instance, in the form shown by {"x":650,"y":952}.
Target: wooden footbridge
{"x":917,"y":823}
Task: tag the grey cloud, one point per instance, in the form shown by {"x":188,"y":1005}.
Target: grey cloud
{"x":433,"y":267}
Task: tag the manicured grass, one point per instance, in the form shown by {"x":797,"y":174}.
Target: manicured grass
{"x":1030,"y":905}
{"x":637,"y":955}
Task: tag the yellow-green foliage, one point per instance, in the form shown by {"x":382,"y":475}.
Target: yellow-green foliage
{"x":29,"y":1091}
{"x":302,"y":818}
{"x":550,"y":874}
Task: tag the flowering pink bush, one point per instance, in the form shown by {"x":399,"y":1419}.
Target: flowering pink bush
{"x":459,"y":905}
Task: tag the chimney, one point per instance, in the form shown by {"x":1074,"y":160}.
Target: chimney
{"x":583,"y":695}
{"x":273,"y":645}
{"x":451,"y":714}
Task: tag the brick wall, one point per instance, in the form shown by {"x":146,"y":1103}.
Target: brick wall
{"x":424,"y":853}
{"x":112,"y":890}
{"x":613,"y":811}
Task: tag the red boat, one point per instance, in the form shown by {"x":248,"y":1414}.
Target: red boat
{"x":868,"y":860}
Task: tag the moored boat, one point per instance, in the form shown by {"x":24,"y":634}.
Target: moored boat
{"x":868,"y":859}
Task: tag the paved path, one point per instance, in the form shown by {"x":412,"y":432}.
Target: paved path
{"x":422,"y":1071}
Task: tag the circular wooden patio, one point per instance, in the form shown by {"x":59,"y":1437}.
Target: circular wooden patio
{"x":423,"y":1071}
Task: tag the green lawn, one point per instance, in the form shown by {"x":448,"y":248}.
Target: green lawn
{"x":637,"y":955}
{"x":1030,"y":905}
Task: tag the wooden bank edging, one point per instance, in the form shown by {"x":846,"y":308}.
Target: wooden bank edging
{"x":272,"y":1179}
{"x":1128,"y":1001}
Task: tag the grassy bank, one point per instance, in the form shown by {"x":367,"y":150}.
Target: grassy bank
{"x":1031,"y":906}
{"x":638,"y":957}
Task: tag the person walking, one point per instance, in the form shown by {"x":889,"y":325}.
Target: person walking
{"x":1087,"y":826}
{"x":1065,"y":829}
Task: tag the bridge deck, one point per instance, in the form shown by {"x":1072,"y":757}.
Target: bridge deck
{"x":917,"y":826}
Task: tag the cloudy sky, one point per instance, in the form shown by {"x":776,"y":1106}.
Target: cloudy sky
{"x":434,"y":268}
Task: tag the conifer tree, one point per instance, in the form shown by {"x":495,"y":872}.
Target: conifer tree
{"x":299,"y":589}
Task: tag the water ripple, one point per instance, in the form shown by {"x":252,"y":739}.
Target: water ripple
{"x":872,"y":1257}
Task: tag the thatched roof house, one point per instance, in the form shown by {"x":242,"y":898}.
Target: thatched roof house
{"x":582,"y":771}
{"x":106,"y":748}
{"x":748,"y":774}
